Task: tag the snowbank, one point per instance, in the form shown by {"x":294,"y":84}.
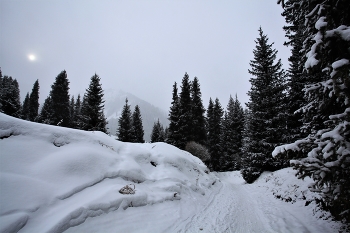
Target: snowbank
{"x":284,"y":185}
{"x":54,"y":178}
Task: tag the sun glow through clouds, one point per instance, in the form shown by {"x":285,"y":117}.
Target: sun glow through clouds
{"x":31,"y":57}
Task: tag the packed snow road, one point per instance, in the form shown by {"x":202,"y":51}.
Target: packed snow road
{"x":232,"y":206}
{"x":240,"y":207}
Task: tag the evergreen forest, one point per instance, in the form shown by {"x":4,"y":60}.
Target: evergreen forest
{"x":298,"y":117}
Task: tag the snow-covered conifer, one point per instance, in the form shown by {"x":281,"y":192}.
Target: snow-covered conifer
{"x":185,"y":110}
{"x":198,"y":110}
{"x":137,"y":127}
{"x":124,"y":131}
{"x":233,"y":123}
{"x":173,"y":136}
{"x":59,"y":96}
{"x":266,"y":108}
{"x":92,"y":114}
{"x":34,"y":102}
{"x":214,"y":117}
{"x":158,"y":134}
{"x":326,"y":112}
{"x":10,"y":97}
{"x":46,"y":112}
{"x":25,"y":108}
{"x":76,"y":124}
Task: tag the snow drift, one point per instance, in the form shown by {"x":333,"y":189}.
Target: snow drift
{"x":54,"y":178}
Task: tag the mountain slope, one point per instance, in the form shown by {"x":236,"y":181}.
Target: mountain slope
{"x":114,"y":102}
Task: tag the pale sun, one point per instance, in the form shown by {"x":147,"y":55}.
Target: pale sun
{"x":31,"y":57}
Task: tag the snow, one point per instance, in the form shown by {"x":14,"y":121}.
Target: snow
{"x":55,"y":179}
{"x":321,"y":23}
{"x":337,"y":64}
{"x":293,"y":146}
{"x":343,"y":31}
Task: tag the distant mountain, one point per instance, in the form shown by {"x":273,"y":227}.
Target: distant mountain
{"x":114,"y":102}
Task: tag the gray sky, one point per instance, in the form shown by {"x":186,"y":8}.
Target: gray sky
{"x":141,"y":47}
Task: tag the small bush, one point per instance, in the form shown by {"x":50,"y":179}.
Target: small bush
{"x":198,"y":150}
{"x":250,"y":174}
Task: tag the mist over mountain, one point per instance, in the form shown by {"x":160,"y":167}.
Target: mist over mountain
{"x":114,"y":102}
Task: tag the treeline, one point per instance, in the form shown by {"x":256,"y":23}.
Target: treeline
{"x":215,"y":137}
{"x":235,"y":138}
{"x":58,"y":108}
{"x":212,"y":134}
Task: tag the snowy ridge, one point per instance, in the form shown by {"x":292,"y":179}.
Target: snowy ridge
{"x":55,"y":178}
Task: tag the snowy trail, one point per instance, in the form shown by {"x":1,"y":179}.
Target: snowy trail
{"x":239,"y":207}
{"x":231,"y":206}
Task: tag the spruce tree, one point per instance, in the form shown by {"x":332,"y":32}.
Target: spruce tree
{"x":267,"y":108}
{"x":326,"y":112}
{"x":295,"y":99}
{"x":25,"y":108}
{"x":198,"y":110}
{"x":214,"y":117}
{"x":46,"y":112}
{"x":10,"y":97}
{"x":124,"y":131}
{"x":34,"y":102}
{"x":92,"y":115}
{"x":72,"y":111}
{"x":185,"y":113}
{"x":137,"y":127}
{"x":60,"y":100}
{"x":158,"y":134}
{"x":233,"y":123}
{"x":174,"y":136}
{"x":77,"y":124}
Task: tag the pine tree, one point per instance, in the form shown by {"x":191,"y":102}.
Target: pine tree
{"x":60,"y":100}
{"x":124,"y":132}
{"x":214,"y":116}
{"x":34,"y":102}
{"x":158,"y":134}
{"x":326,"y":112}
{"x":92,"y":115}
{"x":25,"y":108}
{"x":198,"y":110}
{"x":266,"y":107}
{"x":10,"y":97}
{"x":137,"y":127}
{"x":185,"y":116}
{"x":233,"y":123}
{"x":174,"y":136}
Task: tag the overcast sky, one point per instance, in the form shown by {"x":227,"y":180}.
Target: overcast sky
{"x":141,"y":47}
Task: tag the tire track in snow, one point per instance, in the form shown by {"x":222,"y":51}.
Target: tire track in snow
{"x":228,"y":211}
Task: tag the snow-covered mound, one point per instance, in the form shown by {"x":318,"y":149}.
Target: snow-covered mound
{"x":54,"y":178}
